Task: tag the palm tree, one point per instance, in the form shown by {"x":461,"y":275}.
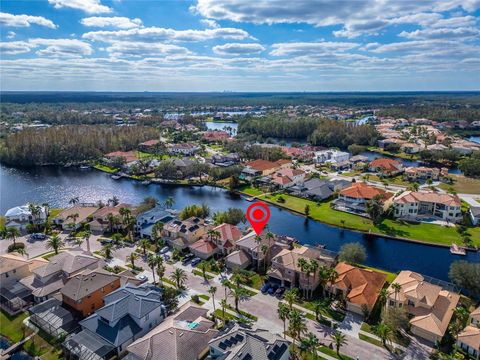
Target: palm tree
{"x":111,"y":221}
{"x":302,"y":263}
{"x":382,"y":296}
{"x":74,"y":218}
{"x":152,"y":261}
{"x":144,"y":244}
{"x":396,"y":288}
{"x":283,"y":312}
{"x":55,"y":243}
{"x":290,"y":297}
{"x":35,"y":210}
{"x":203,"y":266}
{"x":73,"y":201}
{"x":12,"y":233}
{"x":314,"y":265}
{"x":323,"y":278}
{"x":339,"y":340}
{"x":114,"y":201}
{"x":160,"y":270}
{"x":311,"y":343}
{"x":169,"y":202}
{"x":125,"y":214}
{"x":226,"y":285}
{"x":384,"y":332}
{"x":296,"y":325}
{"x":258,"y":240}
{"x":223,"y":304}
{"x":332,"y":275}
{"x":107,"y":251}
{"x":86,"y":237}
{"x":264,"y":250}
{"x":157,"y":230}
{"x":179,"y":276}
{"x":237,"y":292}
{"x":22,"y":252}
{"x":212,"y":290}
{"x":318,"y":306}
{"x":269,"y":236}
{"x":132,"y":257}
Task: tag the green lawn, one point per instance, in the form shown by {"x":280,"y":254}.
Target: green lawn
{"x":53,"y":212}
{"x":463,"y":185}
{"x":250,"y":190}
{"x":401,"y":155}
{"x":333,"y":353}
{"x":200,"y":273}
{"x":429,"y":233}
{"x":326,"y":310}
{"x":11,"y":326}
{"x":390,"y":276}
{"x":105,"y":168}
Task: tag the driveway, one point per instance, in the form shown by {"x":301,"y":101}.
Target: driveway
{"x":351,"y":324}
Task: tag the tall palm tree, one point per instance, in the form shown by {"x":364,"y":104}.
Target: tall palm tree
{"x":55,"y":243}
{"x":12,"y":233}
{"x":157,"y":230}
{"x":144,"y":244}
{"x":160,"y":270}
{"x":339,"y":340}
{"x":237,"y":292}
{"x":269,"y":236}
{"x":264,"y":250}
{"x":332,"y":275}
{"x":311,"y":344}
{"x":212,"y":290}
{"x":35,"y":210}
{"x":290,"y":297}
{"x":323,"y":278}
{"x":111,"y":221}
{"x":169,"y":202}
{"x":107,"y":251}
{"x":132,"y":257}
{"x":86,"y":237}
{"x":226,"y":285}
{"x":74,"y":201}
{"x":223,"y":304}
{"x":258,"y":240}
{"x":124,"y":213}
{"x":283,"y":312}
{"x":22,"y":252}
{"x":203,"y":266}
{"x":179,"y":276}
{"x":114,"y":201}
{"x":384,"y":332}
{"x":152,"y":261}
{"x":396,"y":288}
{"x":314,"y":265}
{"x":382,"y":296}
{"x":302,"y":263}
{"x":296,"y":325}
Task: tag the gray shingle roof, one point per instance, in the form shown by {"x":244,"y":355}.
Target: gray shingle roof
{"x":87,"y":282}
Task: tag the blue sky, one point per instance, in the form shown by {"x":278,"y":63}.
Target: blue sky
{"x":240,"y":45}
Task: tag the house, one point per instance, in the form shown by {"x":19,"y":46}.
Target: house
{"x":85,"y":291}
{"x":184,"y":336}
{"x":225,"y":160}
{"x":21,"y":216}
{"x":318,"y":189}
{"x":474,"y":213}
{"x":285,"y":266}
{"x":436,"y":147}
{"x":182,"y":233}
{"x":425,"y":173}
{"x":410,"y":148}
{"x":53,"y":318}
{"x":49,"y":278}
{"x":359,"y":287}
{"x":430,"y":306}
{"x":102,"y":218}
{"x":221,"y":240}
{"x":14,"y":296}
{"x":128,"y":314}
{"x":469,"y":341}
{"x":147,"y":219}
{"x":415,"y":205}
{"x":73,"y":217}
{"x":331,"y":156}
{"x":126,"y":156}
{"x":475,"y":317}
{"x":182,"y":149}
{"x":262,"y":168}
{"x":386,"y":167}
{"x":244,"y":343}
{"x":355,"y":198}
{"x":237,"y":260}
{"x":150,"y":146}
{"x":286,"y":178}
{"x":215,"y":136}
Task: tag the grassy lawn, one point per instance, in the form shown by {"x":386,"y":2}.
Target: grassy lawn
{"x":199,"y":273}
{"x":241,"y":312}
{"x":325,"y":310}
{"x":422,"y":232}
{"x":333,"y":353}
{"x":250,"y":190}
{"x":204,"y":297}
{"x":49,"y":255}
{"x":390,"y":276}
{"x":11,"y":326}
{"x":370,"y":340}
{"x":209,"y":268}
{"x":401,"y":155}
{"x":396,"y":180}
{"x":463,"y":185}
{"x":53,"y":213}
{"x":105,"y":168}
{"x":169,"y":281}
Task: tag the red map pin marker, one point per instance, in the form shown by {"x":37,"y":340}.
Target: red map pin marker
{"x":258,"y":214}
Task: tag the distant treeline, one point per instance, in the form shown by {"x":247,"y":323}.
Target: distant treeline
{"x":322,"y":132}
{"x":70,"y":143}
{"x":437,"y":112}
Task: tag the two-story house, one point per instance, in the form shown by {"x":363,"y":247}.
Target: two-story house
{"x":183,"y":233}
{"x":386,"y":167}
{"x":262,"y":167}
{"x":129,"y":313}
{"x":147,"y":219}
{"x":430,"y":306}
{"x":422,"y":173}
{"x":286,"y":178}
{"x":287,"y":270}
{"x":21,"y":216}
{"x":49,"y":278}
{"x":415,"y":205}
{"x":85,"y":291}
{"x":469,"y":339}
{"x":73,"y":217}
{"x":109,"y":218}
{"x":221,"y":239}
{"x":355,"y":198}
{"x":182,"y":149}
{"x":331,"y":156}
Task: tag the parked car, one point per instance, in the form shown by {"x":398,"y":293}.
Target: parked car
{"x":195,"y":261}
{"x":279,"y":292}
{"x":187,"y":259}
{"x":265,"y":288}
{"x":142,"y":278}
{"x":37,"y":236}
{"x":273,"y":289}
{"x":105,"y":241}
{"x":166,"y":257}
{"x":164,"y":250}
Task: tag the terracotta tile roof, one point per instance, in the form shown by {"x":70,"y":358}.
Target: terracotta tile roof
{"x":364,"y":191}
{"x":430,"y":197}
{"x":362,"y":285}
{"x":261,"y":165}
{"x":82,"y":211}
{"x":127,"y":155}
{"x":281,"y":180}
{"x":385,"y":164}
{"x":228,"y":232}
{"x":114,"y":210}
{"x":475,"y":314}
{"x":216,"y":135}
{"x":290,"y":172}
{"x":150,"y":143}
{"x":204,"y":246}
{"x":470,"y":336}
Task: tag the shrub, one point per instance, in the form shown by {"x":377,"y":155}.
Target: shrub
{"x":281,"y":199}
{"x":196,"y":299}
{"x":15,"y":247}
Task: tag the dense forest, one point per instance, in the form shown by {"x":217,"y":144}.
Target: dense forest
{"x":63,"y":144}
{"x":434,"y":112}
{"x":278,"y":127}
{"x":331,"y":133}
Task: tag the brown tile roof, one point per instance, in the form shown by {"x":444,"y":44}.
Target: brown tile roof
{"x":290,"y":172}
{"x":289,"y":258}
{"x":475,"y":314}
{"x":261,"y":165}
{"x":228,"y":232}
{"x":386,"y":164}
{"x":114,"y":210}
{"x":150,"y":142}
{"x":82,"y":211}
{"x":127,"y":155}
{"x":362,"y":285}
{"x":470,"y":336}
{"x":361,"y":190}
{"x":238,"y":257}
{"x":87,"y":282}
{"x":430,"y":197}
{"x":204,"y":246}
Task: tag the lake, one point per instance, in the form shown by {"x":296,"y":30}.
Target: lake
{"x":221,"y":125}
{"x":58,"y":185}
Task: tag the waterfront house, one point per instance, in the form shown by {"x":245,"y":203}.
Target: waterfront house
{"x":475,"y":317}
{"x":183,"y":336}
{"x":474,"y":213}
{"x":358,"y":287}
{"x":185,"y":149}
{"x":355,"y":197}
{"x":215,"y":136}
{"x":225,"y":160}
{"x":73,"y":217}
{"x":147,"y":219}
{"x":288,"y":177}
{"x":429,"y":306}
{"x":331,"y":156}
{"x":21,"y":216}
{"x":419,"y":205}
{"x":53,"y":317}
{"x":222,"y":240}
{"x":286,"y":268}
{"x":261,"y":167}
{"x":150,"y":146}
{"x":126,"y":156}
{"x":14,"y":296}
{"x":183,"y":233}
{"x":244,"y":343}
{"x":48,"y":279}
{"x":85,"y":291}
{"x":129,"y":313}
{"x":422,"y":173}
{"x":469,"y":341}
{"x":410,"y":148}
{"x":237,"y":260}
{"x":386,"y":167}
{"x":102,"y":218}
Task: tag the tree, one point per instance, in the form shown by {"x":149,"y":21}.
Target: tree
{"x":55,"y":243}
{"x":238,"y":292}
{"x":169,"y":202}
{"x":152,"y":261}
{"x":144,"y":244}
{"x":86,"y":237}
{"x":339,"y":340}
{"x":179,"y":277}
{"x":318,"y":306}
{"x":114,"y":201}
{"x":310,"y":343}
{"x":212,"y":290}
{"x":303,"y":264}
{"x":314,"y":265}
{"x":12,"y":233}
{"x":396,"y":288}
{"x":396,"y":318}
{"x":384,"y":332}
{"x":157,"y":230}
{"x":296,"y":325}
{"x":465,"y":275}
{"x":283,"y":312}
{"x":74,"y":218}
{"x":382,"y":297}
{"x":264,"y":249}
{"x":203,"y":266}
{"x":132,"y":257}
{"x":460,"y":319}
{"x":291,"y":297}
{"x":307,"y":211}
{"x":223,"y":304}
{"x":21,"y":251}
{"x":74,"y":201}
{"x":160,"y":270}
{"x":107,"y":251}
{"x":374,"y":209}
{"x":353,"y":253}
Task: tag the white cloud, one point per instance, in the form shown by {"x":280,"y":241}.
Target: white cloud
{"x":152,"y":34}
{"x":459,"y":21}
{"x":61,"y":47}
{"x":238,"y":49}
{"x":310,"y":48}
{"x":210,"y":23}
{"x":119,"y":22}
{"x":88,"y":6}
{"x":14,"y":47}
{"x":137,"y":49}
{"x":11,"y":34}
{"x":7,"y":19}
{"x":441,"y":33}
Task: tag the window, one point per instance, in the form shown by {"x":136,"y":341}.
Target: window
{"x":6,"y":274}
